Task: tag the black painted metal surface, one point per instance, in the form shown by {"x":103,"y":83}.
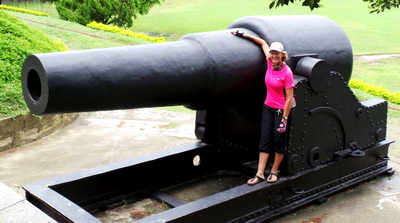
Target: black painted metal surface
{"x":201,"y":70}
{"x":335,"y":140}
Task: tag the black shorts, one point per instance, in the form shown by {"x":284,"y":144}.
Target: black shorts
{"x":271,"y":140}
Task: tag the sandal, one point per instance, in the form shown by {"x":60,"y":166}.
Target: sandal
{"x":255,"y":180}
{"x":269,"y":179}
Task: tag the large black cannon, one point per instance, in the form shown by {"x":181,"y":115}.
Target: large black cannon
{"x":335,"y":140}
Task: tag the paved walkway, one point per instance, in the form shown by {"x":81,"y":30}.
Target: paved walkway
{"x":15,"y":208}
{"x":100,"y":138}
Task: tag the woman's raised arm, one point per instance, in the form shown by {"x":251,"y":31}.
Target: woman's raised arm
{"x":259,"y":41}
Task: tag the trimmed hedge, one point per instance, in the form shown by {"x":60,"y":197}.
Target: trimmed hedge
{"x":115,"y":29}
{"x":17,"y":41}
{"x":377,"y":91}
{"x":10,"y":8}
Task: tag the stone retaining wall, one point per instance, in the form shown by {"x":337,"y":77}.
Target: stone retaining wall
{"x":19,"y":130}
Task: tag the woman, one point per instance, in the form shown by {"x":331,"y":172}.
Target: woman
{"x":276,"y":108}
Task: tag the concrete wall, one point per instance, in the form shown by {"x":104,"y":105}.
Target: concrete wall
{"x":22,"y":129}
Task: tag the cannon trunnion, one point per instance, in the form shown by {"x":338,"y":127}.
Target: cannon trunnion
{"x":335,"y":141}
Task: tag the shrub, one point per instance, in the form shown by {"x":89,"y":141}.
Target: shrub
{"x":9,"y":8}
{"x":115,"y":29}
{"x":17,"y":41}
{"x":377,"y":91}
{"x":116,"y":12}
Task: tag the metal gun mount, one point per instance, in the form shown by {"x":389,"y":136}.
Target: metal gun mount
{"x":335,"y":140}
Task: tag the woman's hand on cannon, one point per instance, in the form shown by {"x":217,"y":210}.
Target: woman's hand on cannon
{"x":238,"y":33}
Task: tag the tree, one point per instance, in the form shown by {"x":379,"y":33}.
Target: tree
{"x":377,"y":6}
{"x":110,"y":12}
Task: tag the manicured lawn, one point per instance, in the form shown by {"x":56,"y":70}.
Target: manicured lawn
{"x":368,"y":33}
{"x":383,"y":72}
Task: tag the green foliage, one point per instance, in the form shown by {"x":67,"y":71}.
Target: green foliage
{"x":310,"y":3}
{"x":11,"y":100}
{"x":114,"y":29}
{"x":149,"y":209}
{"x":17,"y":41}
{"x":377,"y":91}
{"x":377,"y":6}
{"x":116,"y":12}
{"x":10,"y":8}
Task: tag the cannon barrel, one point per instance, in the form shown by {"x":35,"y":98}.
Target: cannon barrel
{"x":200,"y":70}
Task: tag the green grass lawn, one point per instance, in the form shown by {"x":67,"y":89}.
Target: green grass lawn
{"x":368,"y":33}
{"x":383,"y":72}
